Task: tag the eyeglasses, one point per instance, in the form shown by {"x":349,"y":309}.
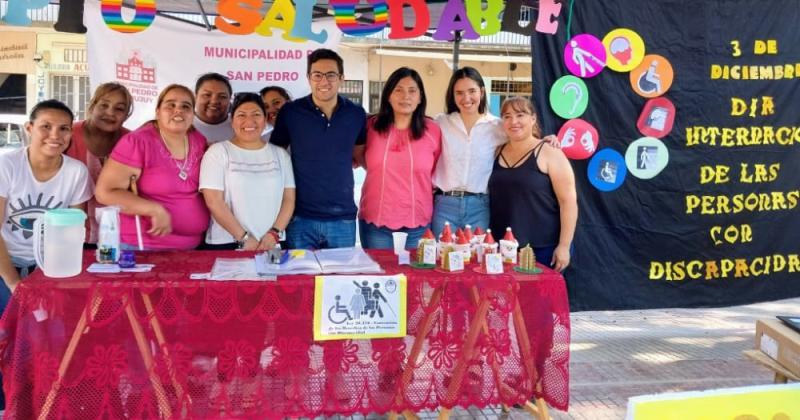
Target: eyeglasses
{"x":331,"y":76}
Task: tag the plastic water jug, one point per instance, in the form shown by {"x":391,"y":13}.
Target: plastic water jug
{"x":58,"y":242}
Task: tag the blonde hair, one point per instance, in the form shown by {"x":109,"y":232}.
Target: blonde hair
{"x":520,"y":104}
{"x":109,"y":88}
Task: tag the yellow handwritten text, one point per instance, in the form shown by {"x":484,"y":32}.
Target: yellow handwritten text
{"x":724,"y":268}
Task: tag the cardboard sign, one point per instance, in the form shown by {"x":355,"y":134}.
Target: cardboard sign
{"x":751,"y":402}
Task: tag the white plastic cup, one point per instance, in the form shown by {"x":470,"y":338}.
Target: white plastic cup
{"x":399,"y":240}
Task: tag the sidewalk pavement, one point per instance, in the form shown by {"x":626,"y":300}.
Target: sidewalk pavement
{"x":620,"y":354}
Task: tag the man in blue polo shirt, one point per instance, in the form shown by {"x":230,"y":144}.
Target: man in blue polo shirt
{"x":326,"y":133}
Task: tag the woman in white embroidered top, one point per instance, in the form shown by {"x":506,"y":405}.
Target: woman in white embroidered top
{"x":470,"y":135}
{"x":247,"y":184}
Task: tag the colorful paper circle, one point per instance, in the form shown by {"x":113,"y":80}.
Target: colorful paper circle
{"x":657,"y":117}
{"x":569,"y":97}
{"x":646,"y":157}
{"x":606,"y":170}
{"x":653,"y":76}
{"x":624,"y":48}
{"x":585,"y":55}
{"x":578,"y":139}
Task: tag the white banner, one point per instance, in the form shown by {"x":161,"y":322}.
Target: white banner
{"x":170,"y":51}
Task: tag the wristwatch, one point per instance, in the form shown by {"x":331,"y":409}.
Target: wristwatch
{"x":240,"y":243}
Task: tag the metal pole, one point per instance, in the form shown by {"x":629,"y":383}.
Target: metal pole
{"x":456,"y":48}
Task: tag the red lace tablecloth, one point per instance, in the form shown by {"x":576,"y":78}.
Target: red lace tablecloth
{"x":161,"y":345}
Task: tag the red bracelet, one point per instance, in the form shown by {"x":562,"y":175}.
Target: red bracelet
{"x":274,"y":235}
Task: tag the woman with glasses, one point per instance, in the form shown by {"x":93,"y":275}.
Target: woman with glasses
{"x":95,"y":137}
{"x":153,"y":174}
{"x":248,"y":185}
{"x":401,"y":151}
{"x":470,"y":135}
{"x":532,"y":188}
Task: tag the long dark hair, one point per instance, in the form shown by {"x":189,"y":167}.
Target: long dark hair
{"x":385,"y":117}
{"x":465,"y":73}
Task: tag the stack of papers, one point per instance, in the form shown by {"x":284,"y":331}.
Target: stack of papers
{"x":114,"y":268}
{"x":236,"y":269}
{"x":324,"y":261}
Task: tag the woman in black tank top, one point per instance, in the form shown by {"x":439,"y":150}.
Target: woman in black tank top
{"x":532,"y":188}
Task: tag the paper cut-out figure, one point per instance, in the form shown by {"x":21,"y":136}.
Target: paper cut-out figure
{"x":657,"y":119}
{"x":650,"y":81}
{"x":569,"y":138}
{"x":578,"y":94}
{"x":547,"y":20}
{"x":621,"y":49}
{"x":646,"y":158}
{"x":587,"y":141}
{"x":579,"y":56}
{"x":608,"y":172}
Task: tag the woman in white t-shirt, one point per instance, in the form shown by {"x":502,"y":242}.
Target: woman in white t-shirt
{"x":33,"y":180}
{"x":248,"y":185}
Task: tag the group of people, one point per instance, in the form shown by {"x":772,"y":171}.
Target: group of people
{"x":221,"y":171}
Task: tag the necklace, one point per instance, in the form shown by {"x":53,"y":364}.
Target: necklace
{"x":182,"y":174}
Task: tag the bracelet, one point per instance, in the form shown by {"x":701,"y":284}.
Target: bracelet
{"x":240,"y":243}
{"x":274,"y":235}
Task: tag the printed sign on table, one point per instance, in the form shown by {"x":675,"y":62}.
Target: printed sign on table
{"x":358,"y":307}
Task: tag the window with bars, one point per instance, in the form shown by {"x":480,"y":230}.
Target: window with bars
{"x":508,"y":88}
{"x":74,"y":91}
{"x":352,"y":90}
{"x":75,"y":55}
{"x":375,"y":89}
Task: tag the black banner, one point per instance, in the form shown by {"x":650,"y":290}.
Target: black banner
{"x":719,"y":225}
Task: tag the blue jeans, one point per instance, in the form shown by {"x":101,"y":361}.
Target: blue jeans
{"x":304,"y":233}
{"x":470,"y":210}
{"x":380,"y":237}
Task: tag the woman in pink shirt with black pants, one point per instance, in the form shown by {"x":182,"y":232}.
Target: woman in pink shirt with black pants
{"x":402,"y":149}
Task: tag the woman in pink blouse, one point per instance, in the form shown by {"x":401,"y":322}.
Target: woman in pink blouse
{"x":95,"y":137}
{"x":162,"y":158}
{"x":401,"y":152}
